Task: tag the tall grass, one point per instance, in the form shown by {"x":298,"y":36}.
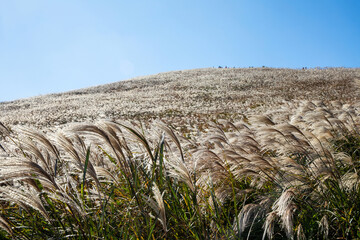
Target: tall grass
{"x":188,"y":96}
{"x":295,"y":178}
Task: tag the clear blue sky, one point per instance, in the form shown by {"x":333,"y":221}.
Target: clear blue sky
{"x":51,"y":46}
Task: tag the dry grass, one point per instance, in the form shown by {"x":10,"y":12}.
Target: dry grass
{"x":186,"y":97}
{"x":277,"y":177}
{"x":216,"y":168}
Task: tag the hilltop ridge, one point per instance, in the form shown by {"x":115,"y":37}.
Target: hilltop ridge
{"x":204,"y":93}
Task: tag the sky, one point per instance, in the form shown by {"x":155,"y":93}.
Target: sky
{"x":61,"y":45}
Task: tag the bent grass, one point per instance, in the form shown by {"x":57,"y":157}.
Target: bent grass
{"x":259,"y":178}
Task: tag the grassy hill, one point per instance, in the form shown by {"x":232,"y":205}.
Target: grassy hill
{"x":200,"y":93}
{"x":196,"y":154}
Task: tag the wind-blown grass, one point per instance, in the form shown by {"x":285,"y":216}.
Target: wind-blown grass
{"x":270,"y":177}
{"x":185,"y":98}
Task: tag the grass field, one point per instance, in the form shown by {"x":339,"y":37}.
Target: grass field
{"x":197,"y":154}
{"x":178,"y":96}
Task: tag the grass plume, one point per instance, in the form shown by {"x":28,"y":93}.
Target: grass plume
{"x":294,"y":177}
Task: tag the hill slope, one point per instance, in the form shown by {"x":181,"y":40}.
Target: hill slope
{"x":292,"y":173}
{"x":201,"y":93}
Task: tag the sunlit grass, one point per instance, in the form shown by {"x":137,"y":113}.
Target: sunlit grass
{"x":294,"y":177}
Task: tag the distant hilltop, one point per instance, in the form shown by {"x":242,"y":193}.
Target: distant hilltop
{"x":206,"y":94}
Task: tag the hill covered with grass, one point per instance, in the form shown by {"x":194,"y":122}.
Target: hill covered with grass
{"x":174,"y":96}
{"x":197,"y":154}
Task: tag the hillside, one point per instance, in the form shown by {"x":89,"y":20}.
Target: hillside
{"x":202,"y":93}
{"x":280,"y":161}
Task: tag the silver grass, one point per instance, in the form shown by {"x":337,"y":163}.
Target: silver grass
{"x":287,"y":221}
{"x":285,"y":208}
{"x":300,"y":235}
{"x":24,"y":196}
{"x":103,"y":172}
{"x":157,"y":204}
{"x":38,"y":155}
{"x":137,"y":136}
{"x":261,"y":151}
{"x":119,"y":140}
{"x":247,"y":216}
{"x":70,"y":147}
{"x":179,"y":170}
{"x":350,"y":181}
{"x":138,"y":98}
{"x":22,"y":169}
{"x":259,"y":119}
{"x":111,"y":140}
{"x":40,"y":137}
{"x":114,"y":139}
{"x":269,"y":225}
{"x":343,"y":158}
{"x":71,"y":191}
{"x":76,"y":149}
{"x":174,"y":138}
{"x":324,"y":226}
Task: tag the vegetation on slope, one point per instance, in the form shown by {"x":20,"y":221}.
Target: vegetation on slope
{"x":181,"y":95}
{"x":292,"y":174}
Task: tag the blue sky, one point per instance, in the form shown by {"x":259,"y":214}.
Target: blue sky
{"x":60,"y":45}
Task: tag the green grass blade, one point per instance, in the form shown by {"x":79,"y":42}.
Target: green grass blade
{"x":85,"y":169}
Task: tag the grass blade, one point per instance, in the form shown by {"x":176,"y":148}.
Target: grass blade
{"x":85,"y":169}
